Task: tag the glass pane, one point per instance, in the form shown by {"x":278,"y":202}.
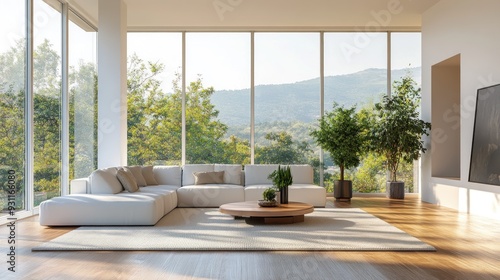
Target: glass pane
{"x":406,"y":55}
{"x":12,"y":91}
{"x":154,"y":98}
{"x":218,"y":98}
{"x":83,"y":98}
{"x":47,"y":103}
{"x":406,"y":59}
{"x":356,"y":75}
{"x":287,"y":97}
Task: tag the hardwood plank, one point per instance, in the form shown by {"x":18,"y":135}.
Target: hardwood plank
{"x":467,"y":248}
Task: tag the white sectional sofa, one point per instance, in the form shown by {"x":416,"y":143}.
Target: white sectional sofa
{"x":101,"y":199}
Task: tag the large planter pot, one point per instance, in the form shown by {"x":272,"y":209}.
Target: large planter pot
{"x":395,"y":190}
{"x":342,"y":190}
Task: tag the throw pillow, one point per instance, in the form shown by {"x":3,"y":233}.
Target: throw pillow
{"x":127,"y":179}
{"x":149,"y":176}
{"x":104,"y":181}
{"x":137,"y":171}
{"x":201,"y":178}
{"x":232,"y":173}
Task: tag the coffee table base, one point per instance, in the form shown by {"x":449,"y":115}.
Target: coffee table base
{"x":273,"y":220}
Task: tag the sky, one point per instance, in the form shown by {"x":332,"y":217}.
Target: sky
{"x":223,"y":59}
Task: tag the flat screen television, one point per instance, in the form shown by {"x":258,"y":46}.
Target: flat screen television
{"x":485,"y":154}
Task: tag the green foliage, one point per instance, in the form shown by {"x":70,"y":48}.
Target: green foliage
{"x":237,"y":150}
{"x":155,"y":121}
{"x":299,"y":130}
{"x":47,"y":87}
{"x":269,"y":194}
{"x":282,"y":149}
{"x":83,"y":119}
{"x":370,"y":176}
{"x":47,"y":118}
{"x":397,"y":131}
{"x":340,"y":134}
{"x":154,"y":117}
{"x":281,"y":177}
{"x":204,"y":137}
{"x":12,"y":143}
{"x":12,"y":116}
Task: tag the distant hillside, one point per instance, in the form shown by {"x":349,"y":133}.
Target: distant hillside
{"x":300,"y":101}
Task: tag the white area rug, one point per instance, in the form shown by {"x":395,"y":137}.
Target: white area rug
{"x":198,"y":229}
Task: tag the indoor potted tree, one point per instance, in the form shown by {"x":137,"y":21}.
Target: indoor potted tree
{"x":397,"y":130}
{"x":282,"y":178}
{"x":340,"y":133}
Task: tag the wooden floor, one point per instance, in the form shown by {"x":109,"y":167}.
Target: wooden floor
{"x":468,"y":247}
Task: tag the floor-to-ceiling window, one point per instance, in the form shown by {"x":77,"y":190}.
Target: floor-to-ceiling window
{"x":356,"y":75}
{"x":286,"y":99}
{"x":218,"y":97}
{"x":82,"y":97}
{"x":154,"y":98}
{"x":47,"y":100}
{"x":287,"y":96}
{"x":406,"y":59}
{"x":12,"y":98}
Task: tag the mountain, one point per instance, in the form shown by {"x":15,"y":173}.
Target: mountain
{"x":300,"y":101}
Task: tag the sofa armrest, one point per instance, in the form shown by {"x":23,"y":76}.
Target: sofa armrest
{"x":79,"y":186}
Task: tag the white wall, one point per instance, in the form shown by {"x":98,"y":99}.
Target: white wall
{"x":468,"y":28}
{"x":112,"y":88}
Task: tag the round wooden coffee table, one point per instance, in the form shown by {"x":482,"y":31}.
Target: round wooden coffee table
{"x":290,"y":213}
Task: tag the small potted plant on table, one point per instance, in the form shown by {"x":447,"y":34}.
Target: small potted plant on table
{"x":269,"y":198}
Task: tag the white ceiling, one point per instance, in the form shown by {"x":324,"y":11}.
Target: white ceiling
{"x":351,"y":15}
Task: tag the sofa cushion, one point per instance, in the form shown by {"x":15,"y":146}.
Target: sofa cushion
{"x":213,"y":177}
{"x":80,"y":185}
{"x":168,"y":192}
{"x":89,"y":209}
{"x":212,"y":195}
{"x":137,"y":171}
{"x":189,"y":169}
{"x":149,"y":176}
{"x":302,"y":174}
{"x":232,"y":173}
{"x":254,"y":192}
{"x":256,"y":174}
{"x":168,"y":175}
{"x":307,"y":193}
{"x":127,"y":179}
{"x":104,"y":181}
